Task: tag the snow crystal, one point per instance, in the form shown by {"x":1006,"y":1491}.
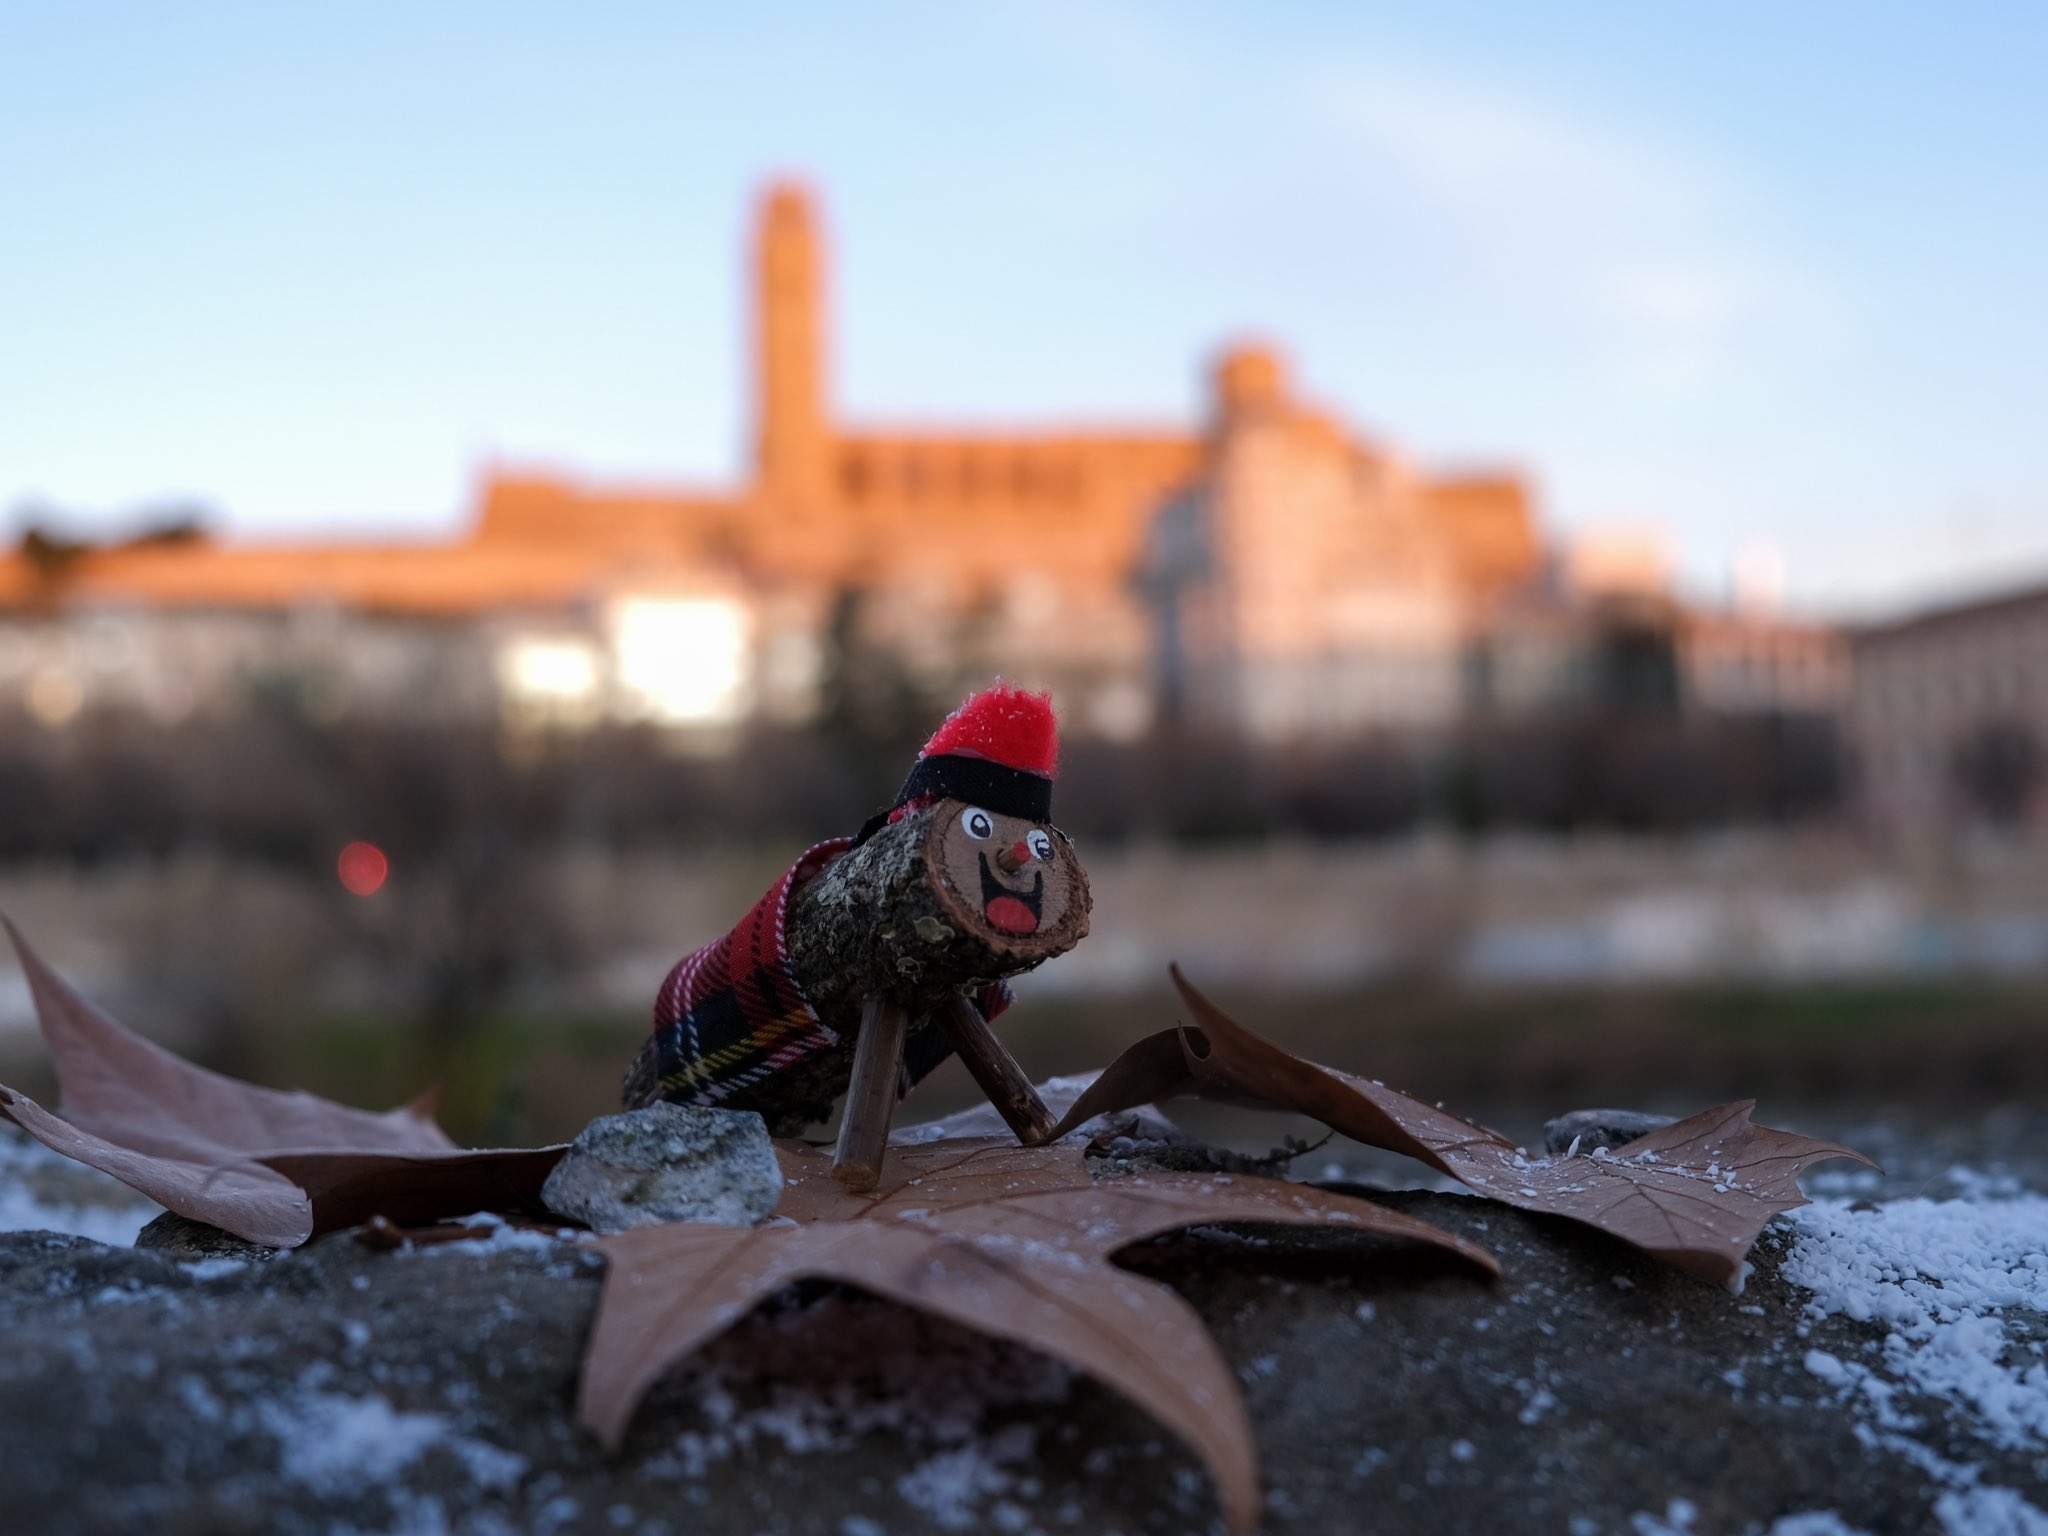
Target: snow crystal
{"x":504,"y":1238}
{"x":328,"y":1442}
{"x":489,"y":1466}
{"x":199,"y":1400}
{"x":1676,"y":1520}
{"x":891,"y":1374}
{"x":1815,"y":1522}
{"x":1540,"y":1402}
{"x":951,"y":1487}
{"x":117,"y":1295}
{"x":1030,"y":1249}
{"x":1988,"y":1512}
{"x":1827,"y":1367}
{"x":213,"y":1269}
{"x":332,"y":1443}
{"x":1936,"y":1275}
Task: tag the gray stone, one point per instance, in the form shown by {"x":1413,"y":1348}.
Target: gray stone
{"x":1592,"y":1128}
{"x":667,"y":1162}
{"x":180,"y":1237}
{"x":138,"y":1394}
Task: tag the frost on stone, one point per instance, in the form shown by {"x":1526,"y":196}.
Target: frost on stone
{"x":500,"y":1236}
{"x":822,"y":1380}
{"x":1937,"y":1275}
{"x":1940,"y":1278}
{"x":213,"y":1269}
{"x":1814,"y":1522}
{"x":1988,"y":1512}
{"x":41,"y":1191}
{"x":1677,"y":1520}
{"x":333,"y":1443}
{"x":965,"y":1489}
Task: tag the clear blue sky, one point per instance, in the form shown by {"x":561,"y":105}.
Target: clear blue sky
{"x":1758,"y":272}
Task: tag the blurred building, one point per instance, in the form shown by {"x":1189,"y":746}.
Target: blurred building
{"x":1268,"y":570}
{"x":1950,"y":712}
{"x":1604,"y":630}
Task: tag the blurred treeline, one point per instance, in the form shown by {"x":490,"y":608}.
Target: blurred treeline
{"x":534,"y":874}
{"x":278,"y":786}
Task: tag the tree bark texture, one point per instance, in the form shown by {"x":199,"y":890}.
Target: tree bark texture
{"x":881,"y":922}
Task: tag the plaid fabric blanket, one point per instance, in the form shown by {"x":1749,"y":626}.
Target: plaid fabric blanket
{"x":731,"y":1017}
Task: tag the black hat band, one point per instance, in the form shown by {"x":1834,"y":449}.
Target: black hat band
{"x":992,"y":786}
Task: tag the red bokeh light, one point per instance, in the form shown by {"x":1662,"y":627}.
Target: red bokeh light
{"x":363,"y":869}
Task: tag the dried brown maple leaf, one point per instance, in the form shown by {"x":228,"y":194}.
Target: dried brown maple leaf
{"x":271,"y":1167}
{"x":1011,"y":1241}
{"x":1694,"y":1194}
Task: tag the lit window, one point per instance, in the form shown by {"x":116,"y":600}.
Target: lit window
{"x":683,"y":660}
{"x":550,"y":671}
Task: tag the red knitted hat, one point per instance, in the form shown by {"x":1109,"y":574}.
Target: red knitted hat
{"x":998,"y":751}
{"x":1003,"y":725}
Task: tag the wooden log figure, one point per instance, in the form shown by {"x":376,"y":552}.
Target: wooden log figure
{"x":876,"y":957}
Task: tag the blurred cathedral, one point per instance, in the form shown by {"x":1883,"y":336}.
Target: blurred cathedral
{"x":1267,"y":571}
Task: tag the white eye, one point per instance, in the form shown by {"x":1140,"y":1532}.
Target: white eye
{"x":979,"y":824}
{"x":1041,"y":843}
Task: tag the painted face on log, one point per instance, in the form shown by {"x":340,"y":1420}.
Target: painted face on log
{"x":1017,"y":884}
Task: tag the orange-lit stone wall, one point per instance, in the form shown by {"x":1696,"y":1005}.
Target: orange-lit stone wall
{"x":977,"y":512}
{"x":1031,"y":548}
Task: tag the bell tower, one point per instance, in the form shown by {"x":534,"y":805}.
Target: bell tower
{"x":793,"y":444}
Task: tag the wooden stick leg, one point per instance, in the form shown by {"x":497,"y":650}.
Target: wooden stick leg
{"x":871,"y":1096}
{"x":992,"y":1066}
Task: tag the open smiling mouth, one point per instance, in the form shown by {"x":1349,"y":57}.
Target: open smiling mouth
{"x":1011,"y":911}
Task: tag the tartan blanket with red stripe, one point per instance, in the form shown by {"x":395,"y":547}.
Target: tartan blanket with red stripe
{"x":731,"y":1016}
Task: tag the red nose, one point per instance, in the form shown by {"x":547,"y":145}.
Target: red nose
{"x":1021,"y":852}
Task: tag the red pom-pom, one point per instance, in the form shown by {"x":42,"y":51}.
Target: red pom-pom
{"x":1005,"y":725}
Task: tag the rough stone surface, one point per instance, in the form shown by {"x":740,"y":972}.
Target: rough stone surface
{"x":345,"y":1388}
{"x":667,"y":1162}
{"x":1592,"y":1128}
{"x":183,"y":1238}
